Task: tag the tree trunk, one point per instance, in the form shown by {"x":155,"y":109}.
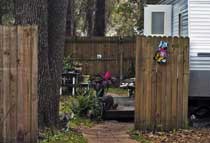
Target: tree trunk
{"x":49,"y":59}
{"x":56,"y":27}
{"x":35,"y":12}
{"x":90,"y":16}
{"x":141,"y":17}
{"x":70,"y":20}
{"x":99,"y":25}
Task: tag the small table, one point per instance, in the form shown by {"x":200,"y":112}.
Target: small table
{"x":70,"y":80}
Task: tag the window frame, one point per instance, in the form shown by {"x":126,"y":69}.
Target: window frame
{"x":167,"y":9}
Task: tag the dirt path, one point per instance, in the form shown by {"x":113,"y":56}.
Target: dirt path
{"x":109,"y":132}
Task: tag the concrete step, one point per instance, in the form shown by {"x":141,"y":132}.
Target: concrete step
{"x":124,"y":111}
{"x":124,"y":101}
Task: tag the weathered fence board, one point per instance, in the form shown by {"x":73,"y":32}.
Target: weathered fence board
{"x":118,"y":54}
{"x":18,"y":84}
{"x":161,"y":99}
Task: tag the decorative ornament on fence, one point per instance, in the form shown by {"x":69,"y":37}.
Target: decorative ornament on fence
{"x":161,"y":54}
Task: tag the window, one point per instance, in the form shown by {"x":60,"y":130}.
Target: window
{"x":180,"y":24}
{"x":158,"y":22}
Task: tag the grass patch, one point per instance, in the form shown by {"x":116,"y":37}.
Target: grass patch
{"x":77,"y":122}
{"x":63,"y":137}
{"x":118,"y":91}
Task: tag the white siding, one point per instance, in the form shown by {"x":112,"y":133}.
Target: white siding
{"x":199,"y":33}
{"x":179,"y":7}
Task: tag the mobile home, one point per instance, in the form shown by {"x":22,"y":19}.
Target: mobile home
{"x":189,"y":18}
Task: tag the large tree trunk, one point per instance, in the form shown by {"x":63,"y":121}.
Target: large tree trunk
{"x":70,"y":20}
{"x":56,"y":27}
{"x":36,"y":12}
{"x":90,"y":16}
{"x":99,"y":25}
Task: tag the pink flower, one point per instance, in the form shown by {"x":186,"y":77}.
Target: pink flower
{"x":107,"y":75}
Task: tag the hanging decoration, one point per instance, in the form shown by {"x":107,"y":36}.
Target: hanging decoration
{"x":161,"y":54}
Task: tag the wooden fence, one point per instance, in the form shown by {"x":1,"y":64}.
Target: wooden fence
{"x":161,"y":101}
{"x":18,"y":84}
{"x":96,"y":54}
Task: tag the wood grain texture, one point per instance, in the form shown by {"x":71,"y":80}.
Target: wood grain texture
{"x":6,"y":82}
{"x":1,"y":83}
{"x":85,"y":50}
{"x":161,"y":90}
{"x":18,"y":88}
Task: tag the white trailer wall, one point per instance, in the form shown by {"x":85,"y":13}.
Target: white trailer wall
{"x":199,"y":33}
{"x":178,"y":7}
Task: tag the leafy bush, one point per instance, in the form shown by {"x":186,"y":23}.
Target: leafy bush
{"x":81,"y":106}
{"x":65,"y":110}
{"x":87,"y":106}
{"x":68,"y":63}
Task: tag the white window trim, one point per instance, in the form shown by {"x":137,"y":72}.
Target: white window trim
{"x":148,"y":19}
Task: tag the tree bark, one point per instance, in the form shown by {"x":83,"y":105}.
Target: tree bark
{"x":99,"y":25}
{"x":70,"y":20}
{"x":56,"y":30}
{"x":35,"y":12}
{"x":90,"y":16}
{"x":51,"y":34}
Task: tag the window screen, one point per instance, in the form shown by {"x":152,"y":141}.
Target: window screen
{"x":158,"y":22}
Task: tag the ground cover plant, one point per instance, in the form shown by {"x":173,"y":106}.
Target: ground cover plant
{"x":74,"y":113}
{"x":63,"y":137}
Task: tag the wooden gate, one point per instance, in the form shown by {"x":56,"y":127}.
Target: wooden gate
{"x":18,"y":84}
{"x":161,"y":101}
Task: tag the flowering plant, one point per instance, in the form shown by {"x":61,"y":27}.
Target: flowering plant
{"x":102,"y":81}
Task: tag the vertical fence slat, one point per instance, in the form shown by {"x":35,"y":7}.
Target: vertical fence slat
{"x":186,"y":82}
{"x":163,"y":99}
{"x":154,"y":89}
{"x":144,"y":55}
{"x":6,"y":82}
{"x":168,"y":86}
{"x":174,"y":82}
{"x":159,"y":89}
{"x":20,"y":82}
{"x":138,"y":104}
{"x":13,"y":80}
{"x":34,"y":83}
{"x":27,"y":90}
{"x":180,"y":81}
{"x":1,"y":83}
{"x":148,"y":80}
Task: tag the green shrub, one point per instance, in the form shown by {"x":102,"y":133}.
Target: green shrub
{"x":87,"y":106}
{"x":79,"y":106}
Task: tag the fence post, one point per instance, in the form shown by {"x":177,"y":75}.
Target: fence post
{"x":121,"y":65}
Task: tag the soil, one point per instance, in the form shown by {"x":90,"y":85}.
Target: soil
{"x":117,"y":132}
{"x":109,"y":132}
